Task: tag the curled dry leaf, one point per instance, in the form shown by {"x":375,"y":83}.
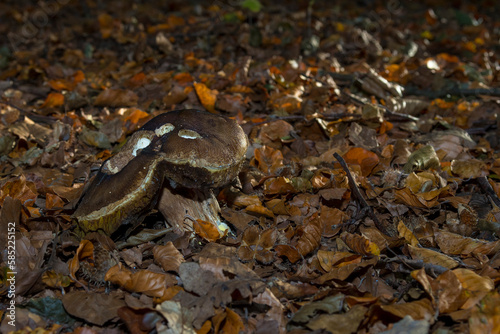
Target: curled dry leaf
{"x":475,"y":285}
{"x":344,"y":271}
{"x":405,"y":233}
{"x":360,"y":244}
{"x":85,"y":250}
{"x":330,"y":259}
{"x":207,"y":96}
{"x":143,"y":281}
{"x":168,"y":257}
{"x":309,"y":235}
{"x":278,"y":186}
{"x":207,"y":230}
{"x":445,"y":291}
{"x":53,"y":100}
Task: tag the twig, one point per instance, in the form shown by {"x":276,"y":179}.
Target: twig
{"x":358,"y":195}
{"x":486,"y":186}
{"x":391,"y":114}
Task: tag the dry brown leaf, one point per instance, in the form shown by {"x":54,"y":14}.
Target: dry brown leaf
{"x":268,"y":160}
{"x":143,"y":281}
{"x":291,"y":253}
{"x":406,"y":234}
{"x":343,"y":272}
{"x":257,"y":245}
{"x":278,"y":186}
{"x":454,"y":244}
{"x":116,"y":98}
{"x":228,"y":322}
{"x":168,"y":256}
{"x":446,"y":290}
{"x":365,"y":159}
{"x":309,"y":235}
{"x":330,"y":259}
{"x":432,"y":257}
{"x":485,"y":316}
{"x":360,"y":244}
{"x":85,"y":251}
{"x":475,"y":285}
{"x":469,"y":169}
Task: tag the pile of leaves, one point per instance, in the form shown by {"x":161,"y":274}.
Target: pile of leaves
{"x":369,"y":202}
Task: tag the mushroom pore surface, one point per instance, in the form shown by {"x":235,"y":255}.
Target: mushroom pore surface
{"x":192,"y":148}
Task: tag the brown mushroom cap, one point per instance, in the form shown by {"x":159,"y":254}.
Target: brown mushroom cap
{"x":201,"y":149}
{"x":194,"y":149}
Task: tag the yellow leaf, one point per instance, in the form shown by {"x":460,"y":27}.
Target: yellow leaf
{"x":207,"y":96}
{"x":408,"y":235}
{"x":432,"y":257}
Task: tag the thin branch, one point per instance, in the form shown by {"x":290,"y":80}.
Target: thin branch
{"x":486,"y":186}
{"x":357,"y":193}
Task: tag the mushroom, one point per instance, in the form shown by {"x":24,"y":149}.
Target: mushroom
{"x":176,"y":159}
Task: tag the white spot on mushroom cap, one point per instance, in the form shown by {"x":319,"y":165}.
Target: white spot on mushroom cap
{"x":141,"y":143}
{"x":165,"y":128}
{"x":188,"y":134}
{"x":112,"y":169}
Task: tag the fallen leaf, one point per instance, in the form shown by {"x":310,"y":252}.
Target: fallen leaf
{"x":207,"y":96}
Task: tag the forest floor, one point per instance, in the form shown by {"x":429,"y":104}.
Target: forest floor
{"x":368,"y":201}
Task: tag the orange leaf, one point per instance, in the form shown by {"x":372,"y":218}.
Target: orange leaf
{"x":206,"y":230}
{"x":207,"y":96}
{"x":183,"y":78}
{"x":486,"y":315}
{"x":84,"y":251}
{"x":137,"y":80}
{"x":365,"y":159}
{"x":53,"y":100}
{"x":53,"y":201}
{"x":134,"y":115}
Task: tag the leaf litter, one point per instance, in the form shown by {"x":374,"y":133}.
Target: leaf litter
{"x":368,"y":203}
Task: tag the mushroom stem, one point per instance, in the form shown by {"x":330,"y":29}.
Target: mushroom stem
{"x":176,"y":204}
